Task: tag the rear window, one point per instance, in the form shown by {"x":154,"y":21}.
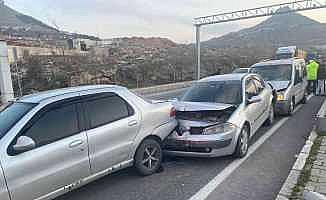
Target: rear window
{"x":12,"y":114}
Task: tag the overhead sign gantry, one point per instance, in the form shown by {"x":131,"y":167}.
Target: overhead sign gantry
{"x":264,"y":11}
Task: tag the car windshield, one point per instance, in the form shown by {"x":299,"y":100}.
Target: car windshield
{"x":12,"y":114}
{"x":274,"y":72}
{"x":228,"y":92}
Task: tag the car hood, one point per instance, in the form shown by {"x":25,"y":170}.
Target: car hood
{"x":279,"y":85}
{"x":200,"y":106}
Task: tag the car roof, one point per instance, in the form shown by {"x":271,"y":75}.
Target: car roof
{"x":278,"y":62}
{"x":41,"y":96}
{"x":224,"y":77}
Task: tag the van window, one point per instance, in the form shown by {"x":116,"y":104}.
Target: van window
{"x":106,"y":109}
{"x":298,"y":74}
{"x":54,"y":125}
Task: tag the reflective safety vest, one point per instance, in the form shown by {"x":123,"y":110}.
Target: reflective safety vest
{"x":312,"y":71}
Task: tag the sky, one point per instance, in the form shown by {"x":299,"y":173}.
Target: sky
{"x":148,"y":18}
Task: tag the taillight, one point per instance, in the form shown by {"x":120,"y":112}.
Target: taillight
{"x":173,"y":112}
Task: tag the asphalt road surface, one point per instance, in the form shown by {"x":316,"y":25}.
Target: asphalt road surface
{"x":258,"y":176}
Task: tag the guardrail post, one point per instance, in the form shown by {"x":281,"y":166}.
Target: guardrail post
{"x":7,"y":93}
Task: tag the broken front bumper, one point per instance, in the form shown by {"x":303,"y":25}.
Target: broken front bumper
{"x":201,"y":145}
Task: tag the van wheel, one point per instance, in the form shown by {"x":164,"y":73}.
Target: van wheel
{"x":241,"y":149}
{"x":148,"y":157}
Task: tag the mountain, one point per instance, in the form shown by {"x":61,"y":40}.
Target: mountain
{"x":278,"y":30}
{"x":10,"y":18}
{"x":14,"y":23}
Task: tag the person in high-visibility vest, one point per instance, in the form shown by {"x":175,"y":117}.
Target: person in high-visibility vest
{"x":312,"y":76}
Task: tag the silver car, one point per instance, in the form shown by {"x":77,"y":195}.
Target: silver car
{"x":218,"y":115}
{"x":56,"y":141}
{"x":288,"y":79}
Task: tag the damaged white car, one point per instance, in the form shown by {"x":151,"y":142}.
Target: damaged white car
{"x":218,"y":115}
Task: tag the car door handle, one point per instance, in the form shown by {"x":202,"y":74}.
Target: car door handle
{"x":132,"y":123}
{"x":75,"y":143}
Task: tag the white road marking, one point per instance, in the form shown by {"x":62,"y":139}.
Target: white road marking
{"x":204,"y":192}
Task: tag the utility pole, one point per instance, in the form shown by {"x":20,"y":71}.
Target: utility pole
{"x":7,"y":92}
{"x":197,"y":51}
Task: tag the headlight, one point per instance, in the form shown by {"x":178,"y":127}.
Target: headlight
{"x":280,"y":96}
{"x":220,"y":128}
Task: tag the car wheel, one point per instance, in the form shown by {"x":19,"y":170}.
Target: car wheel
{"x":271,"y":115}
{"x":304,"y":99}
{"x":291,"y":108}
{"x":148,"y":157}
{"x":241,"y":149}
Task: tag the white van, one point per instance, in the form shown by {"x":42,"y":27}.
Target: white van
{"x":288,"y":79}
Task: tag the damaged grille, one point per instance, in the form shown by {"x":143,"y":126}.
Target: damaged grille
{"x":196,"y":130}
{"x":205,"y":116}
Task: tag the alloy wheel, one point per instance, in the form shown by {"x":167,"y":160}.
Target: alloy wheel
{"x":150,"y":157}
{"x":244,"y":141}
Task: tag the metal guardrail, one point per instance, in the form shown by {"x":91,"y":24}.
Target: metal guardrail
{"x":162,"y":88}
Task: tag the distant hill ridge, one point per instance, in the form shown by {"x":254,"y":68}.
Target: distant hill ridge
{"x":14,"y":19}
{"x":15,"y":23}
{"x":278,"y":30}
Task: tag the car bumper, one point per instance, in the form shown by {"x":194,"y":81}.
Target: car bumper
{"x":282,"y":107}
{"x":200,"y":145}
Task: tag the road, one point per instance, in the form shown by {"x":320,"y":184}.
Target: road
{"x":258,"y":176}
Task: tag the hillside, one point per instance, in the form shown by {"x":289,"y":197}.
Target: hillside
{"x":278,"y":30}
{"x":10,"y":18}
{"x":14,"y":23}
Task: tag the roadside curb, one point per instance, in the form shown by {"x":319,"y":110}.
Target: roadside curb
{"x":293,"y":177}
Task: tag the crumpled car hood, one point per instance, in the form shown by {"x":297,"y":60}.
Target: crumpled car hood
{"x":200,"y":106}
{"x":279,"y":85}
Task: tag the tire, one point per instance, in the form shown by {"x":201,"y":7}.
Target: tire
{"x":290,"y":108}
{"x":271,"y":115}
{"x":243,"y":139}
{"x":148,"y":157}
{"x":304,"y":99}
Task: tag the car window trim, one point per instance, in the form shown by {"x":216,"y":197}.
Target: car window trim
{"x":95,"y":97}
{"x":39,"y":115}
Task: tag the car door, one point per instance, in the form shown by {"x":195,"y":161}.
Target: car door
{"x":254,"y":111}
{"x":299,"y":86}
{"x":59,"y":160}
{"x":112,"y":126}
{"x":264,"y":95}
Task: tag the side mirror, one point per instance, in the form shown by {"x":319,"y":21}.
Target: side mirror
{"x":254,"y":99}
{"x":23,"y":144}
